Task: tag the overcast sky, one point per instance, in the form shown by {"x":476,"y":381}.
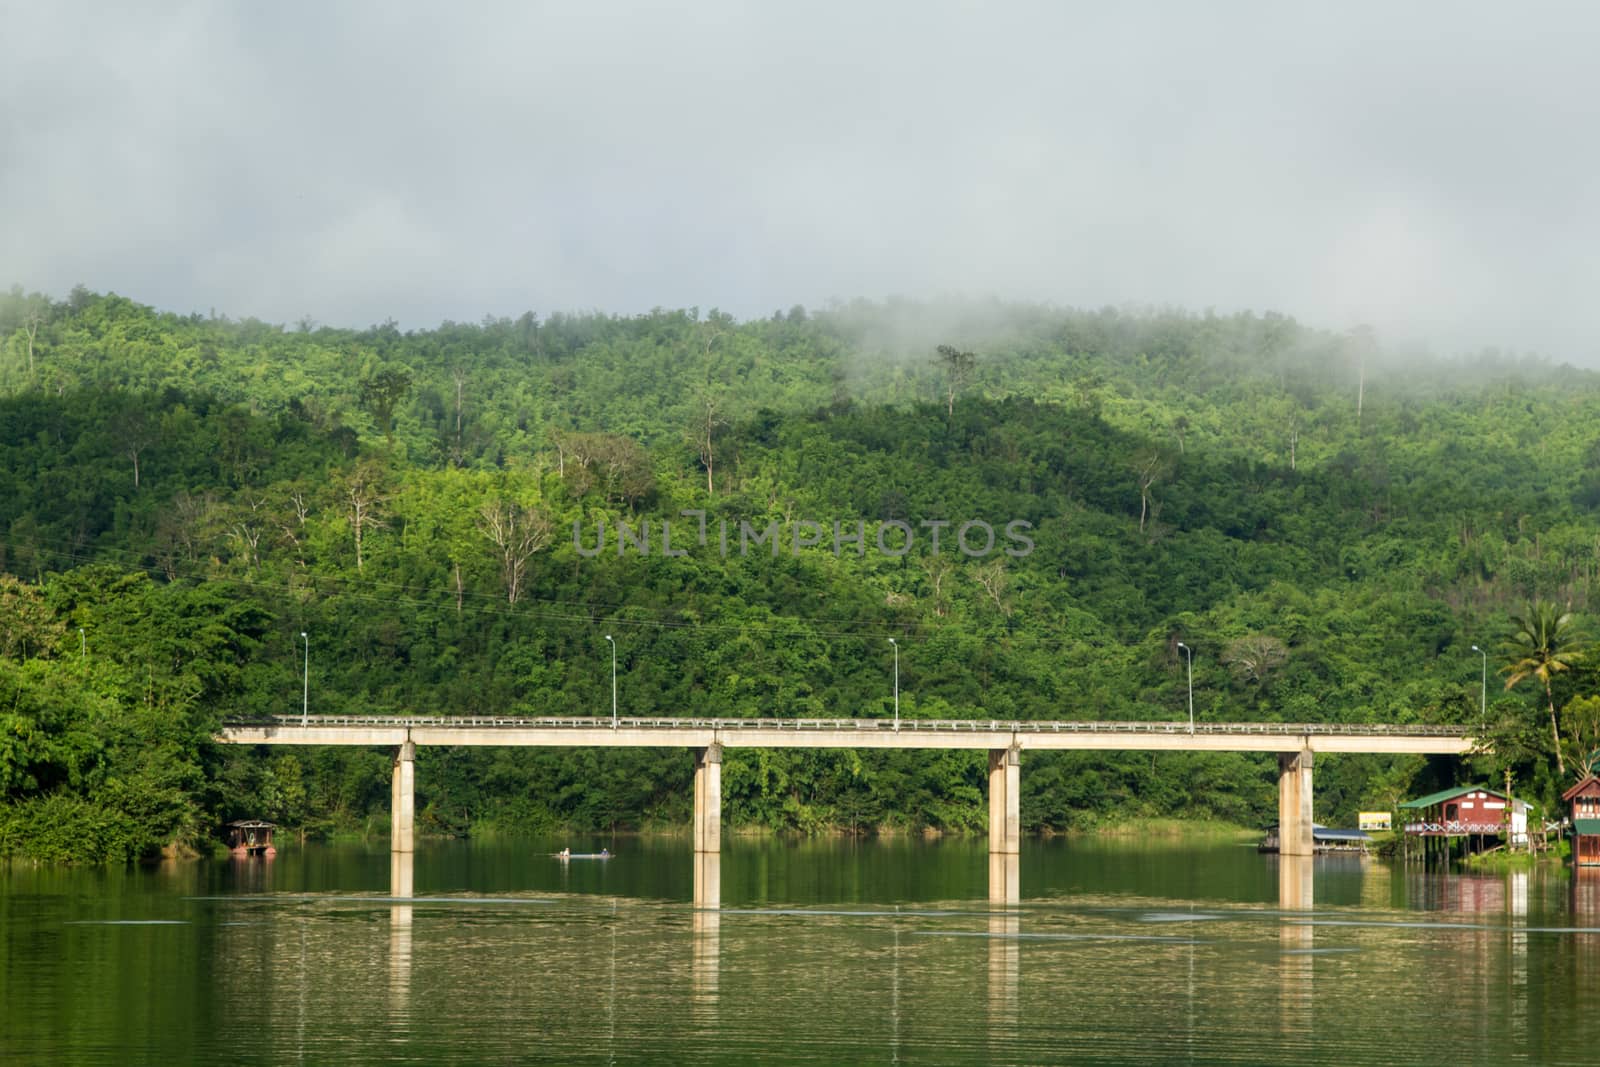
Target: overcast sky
{"x":1431,"y":169}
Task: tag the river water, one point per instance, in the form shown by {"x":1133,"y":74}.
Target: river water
{"x":1112,"y":952}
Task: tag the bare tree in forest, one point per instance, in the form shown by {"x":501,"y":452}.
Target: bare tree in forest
{"x":183,"y":531}
{"x":294,"y":510}
{"x":996,"y":582}
{"x":134,"y":432}
{"x":1363,"y":341}
{"x":707,"y":423}
{"x":938,"y":569}
{"x":1582,"y":717}
{"x":244,"y":527}
{"x":957,"y":369}
{"x":708,"y":417}
{"x":363,"y":497}
{"x":30,"y":326}
{"x":517,"y":532}
{"x":1149,"y":467}
{"x":1254,"y":657}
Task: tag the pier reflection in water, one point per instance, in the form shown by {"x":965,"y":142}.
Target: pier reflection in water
{"x":1005,"y":964}
{"x":1005,"y":926}
{"x":706,"y":927}
{"x":402,"y":875}
{"x":1296,"y":944}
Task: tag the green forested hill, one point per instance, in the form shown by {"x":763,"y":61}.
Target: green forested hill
{"x":1330,"y":528}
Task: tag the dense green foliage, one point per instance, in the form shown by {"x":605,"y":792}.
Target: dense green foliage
{"x":1330,"y":531}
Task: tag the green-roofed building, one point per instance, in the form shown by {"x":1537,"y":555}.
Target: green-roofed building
{"x":1468,"y":811}
{"x":1583,"y":808}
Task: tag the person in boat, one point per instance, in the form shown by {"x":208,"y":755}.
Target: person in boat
{"x":565,"y":853}
{"x":606,"y":852}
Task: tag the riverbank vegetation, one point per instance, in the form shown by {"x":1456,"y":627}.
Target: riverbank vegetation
{"x":1330,"y":528}
{"x":1501,"y":859}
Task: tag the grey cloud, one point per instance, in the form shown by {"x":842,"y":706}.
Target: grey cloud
{"x":1425,"y":168}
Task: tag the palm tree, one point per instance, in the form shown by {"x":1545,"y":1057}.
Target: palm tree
{"x":1545,"y":641}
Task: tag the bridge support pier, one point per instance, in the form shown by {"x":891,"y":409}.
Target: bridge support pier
{"x":1005,"y":801}
{"x":403,"y":800}
{"x":1294,"y":803}
{"x":708,"y":799}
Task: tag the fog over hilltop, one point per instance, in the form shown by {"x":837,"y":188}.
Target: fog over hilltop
{"x":1425,"y":169}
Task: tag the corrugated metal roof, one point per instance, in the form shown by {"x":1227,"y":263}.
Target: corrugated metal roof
{"x":1445,"y":794}
{"x":1322,"y":833}
{"x":1586,"y":826}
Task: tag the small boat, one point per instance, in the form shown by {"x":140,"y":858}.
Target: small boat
{"x":604,"y":854}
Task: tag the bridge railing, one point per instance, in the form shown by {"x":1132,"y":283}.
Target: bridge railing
{"x":1234,"y":729}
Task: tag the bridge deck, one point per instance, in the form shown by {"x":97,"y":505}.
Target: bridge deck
{"x":846,"y":733}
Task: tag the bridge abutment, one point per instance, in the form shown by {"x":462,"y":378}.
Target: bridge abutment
{"x":1005,"y":801}
{"x":1294,"y":803}
{"x":708,"y":799}
{"x":403,"y":800}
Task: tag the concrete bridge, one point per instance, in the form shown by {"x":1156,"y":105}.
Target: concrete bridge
{"x":1295,"y":743}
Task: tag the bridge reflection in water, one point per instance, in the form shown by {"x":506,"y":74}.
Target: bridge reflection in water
{"x":1005,"y":742}
{"x":1497,"y":908}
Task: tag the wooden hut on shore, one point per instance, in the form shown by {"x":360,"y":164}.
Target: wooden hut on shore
{"x":251,"y":837}
{"x":1583,"y":809}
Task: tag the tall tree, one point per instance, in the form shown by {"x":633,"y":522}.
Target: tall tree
{"x":1149,"y":467}
{"x":134,"y":431}
{"x":363,"y":496}
{"x":1545,"y":641}
{"x":27,"y":625}
{"x":516,"y":532}
{"x":1583,"y":735}
{"x":381,"y":394}
{"x":458,"y":451}
{"x":1363,"y":341}
{"x":703,"y":434}
{"x":957,"y":366}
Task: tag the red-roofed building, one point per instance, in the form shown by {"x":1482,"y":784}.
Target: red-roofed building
{"x":1583,"y":808}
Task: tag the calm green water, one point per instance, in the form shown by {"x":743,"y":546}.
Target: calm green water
{"x":828,"y":952}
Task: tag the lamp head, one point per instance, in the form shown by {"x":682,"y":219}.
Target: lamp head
{"x":892,"y":641}
{"x":1475,"y":648}
{"x":608,"y":638}
{"x":1182,"y":645}
{"x":302,"y":633}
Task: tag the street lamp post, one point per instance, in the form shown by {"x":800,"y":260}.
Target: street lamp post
{"x":896,"y":645}
{"x":1190,"y":654}
{"x":305,"y":692}
{"x":83,"y":644}
{"x":1483,"y":694}
{"x":613,"y":681}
